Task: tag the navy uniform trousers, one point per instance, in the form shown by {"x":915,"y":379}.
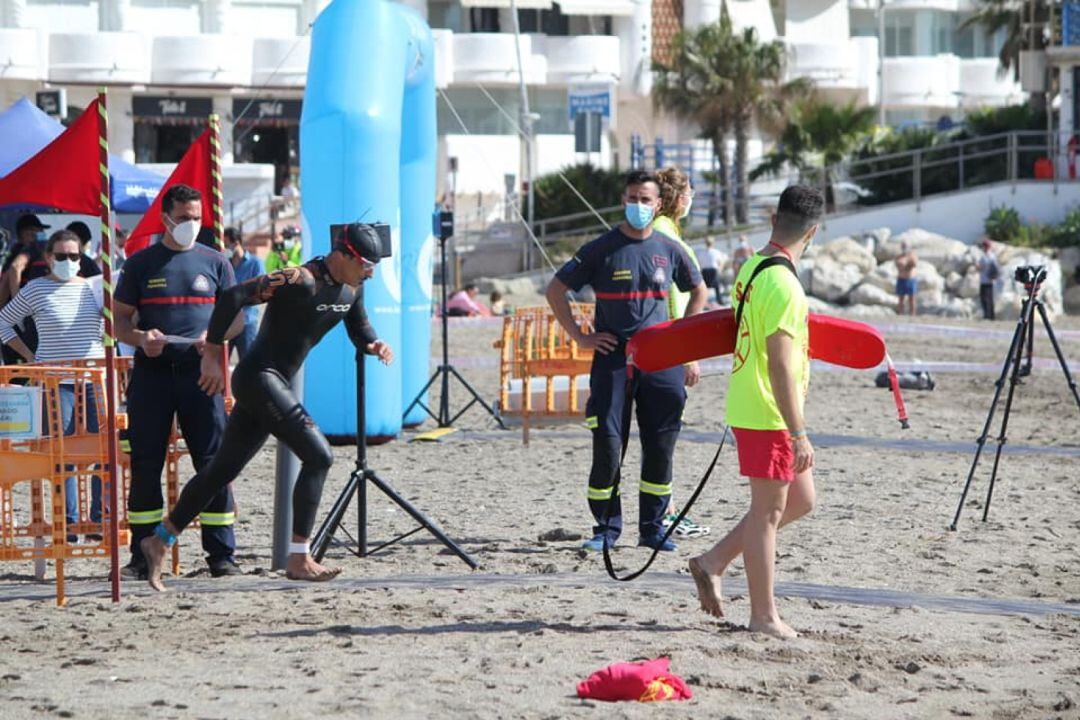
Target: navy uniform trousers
{"x":659,"y":400}
{"x":159,"y":390}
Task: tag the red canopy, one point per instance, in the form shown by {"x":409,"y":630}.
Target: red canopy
{"x":193,"y":170}
{"x":65,"y":174}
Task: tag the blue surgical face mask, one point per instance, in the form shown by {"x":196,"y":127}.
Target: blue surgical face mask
{"x":639,"y":215}
{"x":41,"y":236}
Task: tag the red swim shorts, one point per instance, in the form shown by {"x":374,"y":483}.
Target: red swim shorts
{"x":765,"y":454}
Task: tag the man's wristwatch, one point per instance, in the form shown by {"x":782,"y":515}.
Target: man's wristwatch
{"x":796,"y":434}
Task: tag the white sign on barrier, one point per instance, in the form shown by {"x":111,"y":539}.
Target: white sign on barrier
{"x":20,"y":412}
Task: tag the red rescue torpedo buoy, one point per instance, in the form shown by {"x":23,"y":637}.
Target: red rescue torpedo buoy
{"x":834,"y":340}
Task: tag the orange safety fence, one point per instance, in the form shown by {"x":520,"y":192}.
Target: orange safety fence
{"x":35,"y":452}
{"x":538,"y":358}
{"x":34,"y":462}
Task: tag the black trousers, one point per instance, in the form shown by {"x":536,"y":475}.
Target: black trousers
{"x":265,"y":405}
{"x":660,"y":398}
{"x":986,"y":298}
{"x":159,"y":391}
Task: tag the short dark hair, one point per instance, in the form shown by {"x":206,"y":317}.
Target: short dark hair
{"x":179,"y":193}
{"x":81,"y":229}
{"x":640,"y":177}
{"x":58,"y":237}
{"x":232,"y":234}
{"x":799,"y":209}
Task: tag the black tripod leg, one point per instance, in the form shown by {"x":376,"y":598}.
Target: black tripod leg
{"x":1014,"y":379}
{"x":1060,"y":354}
{"x":1025,"y":369}
{"x":422,"y":519}
{"x":477,"y":397}
{"x":418,"y":399}
{"x":1017,"y":339}
{"x":322,"y":537}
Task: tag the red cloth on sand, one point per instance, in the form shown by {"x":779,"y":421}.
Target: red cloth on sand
{"x":647,"y":681}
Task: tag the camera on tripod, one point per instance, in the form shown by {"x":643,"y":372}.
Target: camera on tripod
{"x":1030,"y":274}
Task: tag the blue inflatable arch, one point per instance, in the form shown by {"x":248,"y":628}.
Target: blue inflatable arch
{"x":368,"y":145}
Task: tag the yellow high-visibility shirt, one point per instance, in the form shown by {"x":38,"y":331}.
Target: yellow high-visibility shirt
{"x":776,"y":302}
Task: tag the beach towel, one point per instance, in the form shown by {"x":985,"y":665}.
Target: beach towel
{"x":647,"y":681}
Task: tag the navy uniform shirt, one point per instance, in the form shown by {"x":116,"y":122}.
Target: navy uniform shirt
{"x":630,"y":278}
{"x":173,"y":291}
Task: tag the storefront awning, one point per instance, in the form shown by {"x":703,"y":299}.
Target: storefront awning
{"x":522,"y":4}
{"x":596,"y":7}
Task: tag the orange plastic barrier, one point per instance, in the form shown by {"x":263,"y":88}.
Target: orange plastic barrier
{"x":535,"y":347}
{"x":44,"y":463}
{"x":43,"y":466}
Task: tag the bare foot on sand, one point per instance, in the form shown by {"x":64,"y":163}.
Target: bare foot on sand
{"x":304,"y":567}
{"x":708,"y":588}
{"x":154,"y":550}
{"x":776,"y":627}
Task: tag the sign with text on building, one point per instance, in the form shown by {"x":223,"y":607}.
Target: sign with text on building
{"x":256,"y":111}
{"x":152,"y":106}
{"x":595,"y":100}
{"x":20,"y":412}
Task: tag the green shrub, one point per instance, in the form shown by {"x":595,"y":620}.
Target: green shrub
{"x":1003,"y":225}
{"x":1067,"y":234}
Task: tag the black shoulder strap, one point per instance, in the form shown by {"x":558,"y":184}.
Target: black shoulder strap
{"x":762,"y":267}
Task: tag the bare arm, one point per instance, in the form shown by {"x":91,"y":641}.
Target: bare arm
{"x":699,"y":295}
{"x":13,"y":313}
{"x":13,"y":278}
{"x":780,"y":348}
{"x":560,"y":306}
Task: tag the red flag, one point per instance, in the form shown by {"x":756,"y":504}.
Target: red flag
{"x":65,"y":174}
{"x":193,"y":170}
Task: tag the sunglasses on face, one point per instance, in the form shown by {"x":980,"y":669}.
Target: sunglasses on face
{"x":66,"y":256}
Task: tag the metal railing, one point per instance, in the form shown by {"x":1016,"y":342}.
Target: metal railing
{"x":865,"y":182}
{"x":949,"y":167}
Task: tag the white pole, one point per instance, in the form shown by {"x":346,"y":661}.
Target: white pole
{"x":527,"y":131}
{"x":881,"y":62}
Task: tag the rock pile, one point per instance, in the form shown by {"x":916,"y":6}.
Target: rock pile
{"x":859,"y":273}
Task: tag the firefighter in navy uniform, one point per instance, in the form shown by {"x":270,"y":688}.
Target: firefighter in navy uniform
{"x":631,"y":269}
{"x":172,"y":285}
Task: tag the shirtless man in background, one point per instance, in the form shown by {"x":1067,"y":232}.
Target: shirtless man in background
{"x":906,"y":284}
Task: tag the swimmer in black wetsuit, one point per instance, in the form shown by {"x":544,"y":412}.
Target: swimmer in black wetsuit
{"x":303,"y":304}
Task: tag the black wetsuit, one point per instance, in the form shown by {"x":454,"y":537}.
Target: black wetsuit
{"x":303,"y":304}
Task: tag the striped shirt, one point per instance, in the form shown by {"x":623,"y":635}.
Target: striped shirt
{"x":67,"y":315}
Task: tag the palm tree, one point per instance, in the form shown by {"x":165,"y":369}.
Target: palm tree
{"x":697,"y":86}
{"x":759,"y":97}
{"x":818,"y":136}
{"x":1023,"y":32}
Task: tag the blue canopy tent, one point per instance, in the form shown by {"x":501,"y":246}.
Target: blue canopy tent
{"x":26,"y":130}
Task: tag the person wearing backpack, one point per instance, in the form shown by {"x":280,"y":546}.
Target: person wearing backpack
{"x":770,"y":376}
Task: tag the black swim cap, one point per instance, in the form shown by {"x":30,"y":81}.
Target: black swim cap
{"x":360,"y":240}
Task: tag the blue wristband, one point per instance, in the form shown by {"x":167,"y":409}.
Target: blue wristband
{"x":164,"y":535}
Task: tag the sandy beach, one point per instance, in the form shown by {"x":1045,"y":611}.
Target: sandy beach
{"x":899,"y":617}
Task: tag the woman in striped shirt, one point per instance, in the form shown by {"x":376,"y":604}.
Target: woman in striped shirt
{"x":68,"y":317}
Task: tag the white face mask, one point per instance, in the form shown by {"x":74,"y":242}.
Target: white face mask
{"x":686,"y":210}
{"x":184,"y":233}
{"x":65,"y":269}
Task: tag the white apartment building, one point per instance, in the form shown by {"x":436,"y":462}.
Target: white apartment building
{"x":168,"y":63}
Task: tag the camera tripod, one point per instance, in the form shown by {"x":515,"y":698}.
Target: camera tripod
{"x":358,"y":485}
{"x":1014,"y":368}
{"x":444,"y":371}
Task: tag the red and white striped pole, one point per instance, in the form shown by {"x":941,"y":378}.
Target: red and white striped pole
{"x":112,"y":477}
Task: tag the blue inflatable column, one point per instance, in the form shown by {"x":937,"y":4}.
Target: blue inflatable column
{"x":363,"y":53}
{"x":418,"y":156}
